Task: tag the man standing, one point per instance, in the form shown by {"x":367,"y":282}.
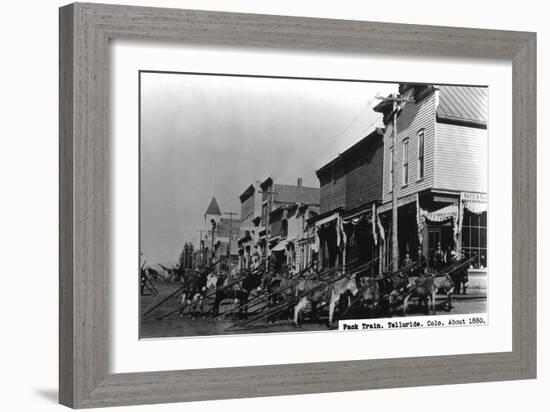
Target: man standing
{"x":460,"y":276}
{"x":406,"y":260}
{"x":439,"y":257}
{"x":421,"y":260}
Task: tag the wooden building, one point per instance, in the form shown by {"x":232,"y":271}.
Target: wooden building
{"x":283,"y":204}
{"x":250,"y":226}
{"x":306,"y":250}
{"x":441,"y":174}
{"x":227,"y":238}
{"x":351,"y":189}
{"x":290,"y":223}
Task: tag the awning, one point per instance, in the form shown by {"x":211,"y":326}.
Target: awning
{"x":474,"y":207}
{"x":327,"y":220}
{"x":356,"y":215}
{"x":443,"y":214}
{"x":475,"y":202}
{"x":291,"y":240}
{"x":279,"y":246}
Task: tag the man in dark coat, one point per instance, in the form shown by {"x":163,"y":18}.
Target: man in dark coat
{"x":439,"y":257}
{"x":460,"y":276}
{"x":421,"y":260}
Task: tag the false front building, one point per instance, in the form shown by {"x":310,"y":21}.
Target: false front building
{"x":351,"y":189}
{"x":441,"y":174}
{"x":250,"y":249}
{"x":286,"y":238}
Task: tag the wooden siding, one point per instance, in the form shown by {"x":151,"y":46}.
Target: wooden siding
{"x":364,"y":176}
{"x":333,"y":190}
{"x":412,"y":118}
{"x":461,"y":158}
{"x":355,"y":177}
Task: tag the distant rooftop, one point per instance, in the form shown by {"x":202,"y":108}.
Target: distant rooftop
{"x":292,"y":193}
{"x":213,"y":208}
{"x":297,"y":194}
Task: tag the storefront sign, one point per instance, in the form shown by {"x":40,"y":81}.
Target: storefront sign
{"x":475,"y":202}
{"x":479,"y":197}
{"x":400,"y":202}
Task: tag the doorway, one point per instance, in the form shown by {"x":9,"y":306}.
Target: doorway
{"x":439,"y":233}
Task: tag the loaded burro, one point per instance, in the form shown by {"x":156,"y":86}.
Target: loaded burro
{"x":398,"y":225}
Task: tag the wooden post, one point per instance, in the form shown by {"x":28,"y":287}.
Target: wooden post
{"x":396,"y":100}
{"x":230,"y":214}
{"x":394,"y":214}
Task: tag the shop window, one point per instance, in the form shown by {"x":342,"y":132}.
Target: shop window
{"x":474,"y":237}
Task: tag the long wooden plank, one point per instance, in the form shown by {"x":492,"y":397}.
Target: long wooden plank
{"x":208,"y":295}
{"x":286,"y":305}
{"x":179,"y":290}
{"x":263,"y":297}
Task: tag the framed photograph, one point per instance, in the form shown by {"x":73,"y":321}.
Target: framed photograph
{"x":257,"y":205}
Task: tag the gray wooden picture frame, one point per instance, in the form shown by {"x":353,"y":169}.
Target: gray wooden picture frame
{"x":85,"y":31}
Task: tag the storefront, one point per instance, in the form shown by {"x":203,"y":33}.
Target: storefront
{"x":352,"y":236}
{"x":306,"y":251}
{"x":473,"y":230}
{"x":455,"y":221}
{"x":245,"y":250}
{"x":460,"y":227}
{"x":409,"y":237}
{"x":361,"y":237}
{"x":277,"y":257}
{"x":328,"y":231}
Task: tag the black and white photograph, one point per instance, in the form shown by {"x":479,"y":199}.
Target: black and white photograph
{"x":275,"y":205}
{"x":290,"y":205}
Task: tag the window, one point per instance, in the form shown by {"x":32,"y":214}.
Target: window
{"x":406,"y":161}
{"x":421,"y":154}
{"x":391,"y":169}
{"x":474,"y":237}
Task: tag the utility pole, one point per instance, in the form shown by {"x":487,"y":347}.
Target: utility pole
{"x":201,"y":247}
{"x":184,"y":260}
{"x":230,"y":214}
{"x":396,"y":101}
{"x":212,"y":252}
{"x":267,"y":231}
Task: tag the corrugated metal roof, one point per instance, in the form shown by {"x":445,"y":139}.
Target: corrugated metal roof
{"x":297,"y":194}
{"x":463,"y":103}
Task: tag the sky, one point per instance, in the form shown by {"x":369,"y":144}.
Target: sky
{"x":205,"y":136}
